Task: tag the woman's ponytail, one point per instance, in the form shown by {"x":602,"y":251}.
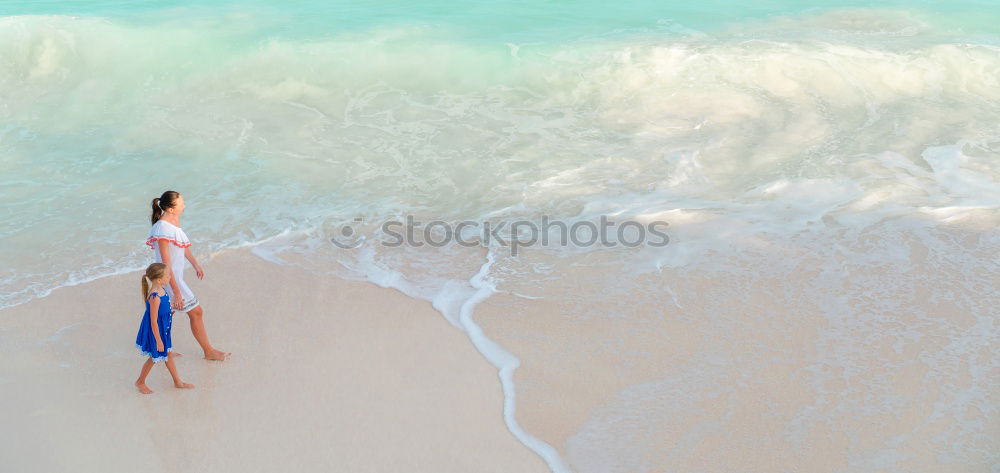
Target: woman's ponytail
{"x":157,"y":211}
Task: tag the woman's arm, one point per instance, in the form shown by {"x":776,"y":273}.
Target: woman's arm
{"x":164,"y":249}
{"x":194,"y":263}
{"x":154,"y":314}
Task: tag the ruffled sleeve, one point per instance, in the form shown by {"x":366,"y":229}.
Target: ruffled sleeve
{"x":165,"y":231}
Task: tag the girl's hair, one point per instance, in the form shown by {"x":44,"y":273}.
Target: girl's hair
{"x":154,"y":271}
{"x":162,"y":203}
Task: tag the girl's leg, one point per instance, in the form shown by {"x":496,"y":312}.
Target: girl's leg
{"x":173,"y":374}
{"x":141,"y":382}
{"x":198,"y":329}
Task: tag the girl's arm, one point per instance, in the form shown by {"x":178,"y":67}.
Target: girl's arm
{"x":165,"y":257}
{"x":194,"y":263}
{"x":154,"y":314}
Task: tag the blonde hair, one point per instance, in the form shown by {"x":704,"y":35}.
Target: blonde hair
{"x":154,"y":271}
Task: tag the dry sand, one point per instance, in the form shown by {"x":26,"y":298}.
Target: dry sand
{"x":326,"y":375}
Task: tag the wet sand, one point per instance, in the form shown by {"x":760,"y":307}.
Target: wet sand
{"x":792,"y":362}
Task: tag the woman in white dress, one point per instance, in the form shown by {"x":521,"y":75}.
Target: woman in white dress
{"x":171,"y":246}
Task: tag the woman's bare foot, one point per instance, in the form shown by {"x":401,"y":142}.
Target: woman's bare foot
{"x":143,"y":388}
{"x":183,"y":385}
{"x":217,"y":355}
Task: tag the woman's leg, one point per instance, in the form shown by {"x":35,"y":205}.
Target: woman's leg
{"x":198,"y":329}
{"x":141,"y":382}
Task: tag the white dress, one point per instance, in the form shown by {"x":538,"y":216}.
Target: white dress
{"x":164,"y":230}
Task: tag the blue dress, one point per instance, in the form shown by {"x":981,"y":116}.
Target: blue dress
{"x":145,"y":341}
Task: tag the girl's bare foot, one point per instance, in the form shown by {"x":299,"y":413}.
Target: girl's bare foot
{"x":183,"y":385}
{"x":217,"y":355}
{"x":143,"y":388}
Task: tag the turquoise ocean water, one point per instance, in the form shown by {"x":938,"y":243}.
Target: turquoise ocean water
{"x":294,"y":115}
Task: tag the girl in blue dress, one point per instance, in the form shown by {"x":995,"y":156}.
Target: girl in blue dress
{"x":153,"y":339}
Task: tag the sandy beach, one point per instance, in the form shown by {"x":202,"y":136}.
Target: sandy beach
{"x":326,"y":375}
